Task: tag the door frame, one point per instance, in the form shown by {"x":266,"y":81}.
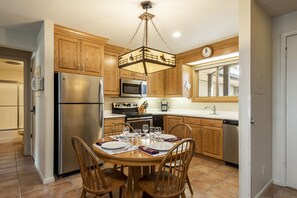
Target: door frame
{"x":283,"y":110}
{"x":24,"y":56}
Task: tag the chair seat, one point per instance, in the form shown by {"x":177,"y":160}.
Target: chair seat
{"x":113,"y":178}
{"x":174,"y":164}
{"x":147,"y":184}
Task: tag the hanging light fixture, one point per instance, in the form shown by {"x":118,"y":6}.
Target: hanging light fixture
{"x":144,"y":59}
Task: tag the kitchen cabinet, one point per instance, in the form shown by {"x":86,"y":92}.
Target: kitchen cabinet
{"x":111,"y":74}
{"x":212,"y":138}
{"x":78,"y":52}
{"x":131,"y":75}
{"x":178,"y":80}
{"x":156,"y":84}
{"x":108,"y":125}
{"x":195,"y":124}
{"x":170,"y":121}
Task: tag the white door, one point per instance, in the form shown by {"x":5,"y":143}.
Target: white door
{"x":291,"y":177}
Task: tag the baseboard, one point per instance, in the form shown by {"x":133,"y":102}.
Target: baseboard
{"x":264,"y":188}
{"x":44,"y":180}
{"x":277,"y":182}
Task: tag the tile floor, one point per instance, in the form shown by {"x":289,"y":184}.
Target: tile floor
{"x":19,"y":178}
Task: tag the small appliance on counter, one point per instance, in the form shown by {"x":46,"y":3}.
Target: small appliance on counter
{"x":164,"y":105}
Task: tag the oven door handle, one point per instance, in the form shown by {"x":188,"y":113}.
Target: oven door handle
{"x":139,"y":119}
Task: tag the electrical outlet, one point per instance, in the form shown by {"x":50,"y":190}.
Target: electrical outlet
{"x":263,"y":169}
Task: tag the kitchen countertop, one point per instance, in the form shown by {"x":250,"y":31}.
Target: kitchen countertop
{"x":228,"y":115}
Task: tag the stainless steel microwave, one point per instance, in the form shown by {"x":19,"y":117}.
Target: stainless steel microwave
{"x":133,"y":88}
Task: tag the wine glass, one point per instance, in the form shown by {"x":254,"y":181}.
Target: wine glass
{"x":158,"y":132}
{"x":137,"y":134}
{"x":152,"y":129}
{"x":126,"y":131}
{"x":145,"y":129}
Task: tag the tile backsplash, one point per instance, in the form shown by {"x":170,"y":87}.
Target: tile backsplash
{"x":174,"y":103}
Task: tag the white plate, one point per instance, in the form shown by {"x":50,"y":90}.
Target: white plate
{"x":162,"y":146}
{"x":114,"y":145}
{"x":168,"y":136}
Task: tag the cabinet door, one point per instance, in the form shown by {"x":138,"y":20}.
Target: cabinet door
{"x":126,"y":74}
{"x":108,"y":125}
{"x":171,"y":121}
{"x":196,"y":129}
{"x":212,"y":142}
{"x":92,"y":58}
{"x":111,"y":75}
{"x":67,"y":54}
{"x":156,"y":84}
{"x":139,"y":76}
{"x":174,"y":80}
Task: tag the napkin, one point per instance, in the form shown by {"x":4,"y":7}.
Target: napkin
{"x":148,"y":150}
{"x":100,"y":143}
{"x":173,"y":139}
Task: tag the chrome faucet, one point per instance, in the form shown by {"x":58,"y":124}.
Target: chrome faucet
{"x":214,"y":109}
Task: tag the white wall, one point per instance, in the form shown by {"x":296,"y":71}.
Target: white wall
{"x":285,"y":24}
{"x":15,"y":39}
{"x":261,"y":99}
{"x":44,"y":125}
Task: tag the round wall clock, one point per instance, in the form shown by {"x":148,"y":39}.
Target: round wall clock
{"x":207,"y":51}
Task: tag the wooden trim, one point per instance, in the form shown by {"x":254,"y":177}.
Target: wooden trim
{"x":113,"y":49}
{"x":81,"y":35}
{"x":227,"y":99}
{"x":219,"y":48}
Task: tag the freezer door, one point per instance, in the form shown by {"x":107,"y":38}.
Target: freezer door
{"x":74,"y":88}
{"x":81,"y":120}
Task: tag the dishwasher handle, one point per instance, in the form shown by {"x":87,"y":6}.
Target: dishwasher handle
{"x":231,"y":122}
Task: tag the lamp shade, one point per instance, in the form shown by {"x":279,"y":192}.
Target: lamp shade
{"x":146,"y":60}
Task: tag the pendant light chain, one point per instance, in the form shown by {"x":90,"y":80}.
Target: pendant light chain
{"x":133,"y":37}
{"x":161,"y":36}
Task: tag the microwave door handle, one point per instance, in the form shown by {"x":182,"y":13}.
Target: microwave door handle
{"x":141,"y":89}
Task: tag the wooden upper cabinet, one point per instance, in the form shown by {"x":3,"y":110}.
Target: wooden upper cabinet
{"x":92,"y":57}
{"x":111,"y":74}
{"x":131,"y":75}
{"x":156,"y":84}
{"x":67,"y":53}
{"x":176,"y":78}
{"x":78,"y":52}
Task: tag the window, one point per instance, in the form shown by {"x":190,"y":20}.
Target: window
{"x":216,"y":81}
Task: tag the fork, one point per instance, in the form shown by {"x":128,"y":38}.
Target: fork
{"x":123,"y":149}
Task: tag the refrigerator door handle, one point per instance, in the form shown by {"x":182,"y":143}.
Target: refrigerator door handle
{"x":101,"y":90}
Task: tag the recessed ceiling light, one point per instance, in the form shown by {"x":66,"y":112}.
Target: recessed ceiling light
{"x":176,"y":34}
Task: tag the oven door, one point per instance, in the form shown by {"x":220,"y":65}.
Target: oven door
{"x":133,"y":88}
{"x":137,"y":123}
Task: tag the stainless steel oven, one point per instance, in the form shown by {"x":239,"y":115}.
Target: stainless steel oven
{"x":133,"y":88}
{"x":137,"y":122}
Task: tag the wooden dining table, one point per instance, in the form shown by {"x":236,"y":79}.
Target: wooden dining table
{"x":139,"y":163}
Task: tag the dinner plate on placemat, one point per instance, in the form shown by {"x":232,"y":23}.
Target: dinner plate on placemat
{"x":162,"y":146}
{"x":114,"y":145}
{"x":167,"y":136}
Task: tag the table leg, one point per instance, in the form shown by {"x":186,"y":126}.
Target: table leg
{"x":129,"y":187}
{"x":136,"y":176}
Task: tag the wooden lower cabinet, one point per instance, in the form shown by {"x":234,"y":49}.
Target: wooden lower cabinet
{"x":108,"y":124}
{"x":170,"y":121}
{"x":212,"y":142}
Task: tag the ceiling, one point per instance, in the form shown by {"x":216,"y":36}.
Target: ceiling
{"x":17,"y":66}
{"x":200,"y":22}
{"x":278,"y":7}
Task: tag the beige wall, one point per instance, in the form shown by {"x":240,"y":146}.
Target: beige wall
{"x":261,"y":99}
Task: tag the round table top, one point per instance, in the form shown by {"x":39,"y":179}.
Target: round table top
{"x":131,"y":158}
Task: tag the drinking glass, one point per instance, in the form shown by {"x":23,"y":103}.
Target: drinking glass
{"x":145,"y":129}
{"x":152,"y":135}
{"x":158,"y":132}
{"x":126,"y":131}
{"x":137,"y":135}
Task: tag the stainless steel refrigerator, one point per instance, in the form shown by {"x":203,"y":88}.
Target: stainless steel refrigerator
{"x":78,"y":112}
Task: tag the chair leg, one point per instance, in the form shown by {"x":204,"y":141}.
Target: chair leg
{"x":110,"y":194}
{"x":115,"y":166}
{"x":123,"y":192}
{"x":189,"y":184}
{"x":183,"y":195}
{"x":83,"y":193}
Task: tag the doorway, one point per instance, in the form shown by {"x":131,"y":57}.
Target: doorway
{"x":15,"y":101}
{"x":291,"y":109}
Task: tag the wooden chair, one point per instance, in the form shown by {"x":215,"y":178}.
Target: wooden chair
{"x":184,"y":131}
{"x":181,"y":130}
{"x":95,"y":180}
{"x":166,"y":183}
{"x":116,"y":129}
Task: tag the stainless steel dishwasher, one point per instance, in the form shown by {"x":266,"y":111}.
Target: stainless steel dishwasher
{"x":231,"y":145}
